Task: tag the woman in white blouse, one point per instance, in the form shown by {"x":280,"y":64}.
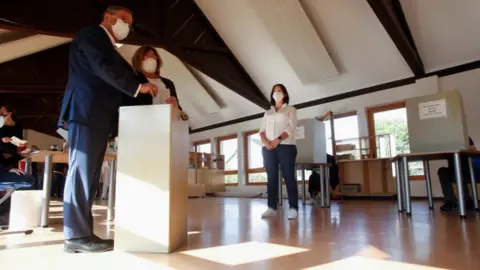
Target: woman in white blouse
{"x":278,"y":138}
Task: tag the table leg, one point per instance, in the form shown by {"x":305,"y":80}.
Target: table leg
{"x":327,"y":187}
{"x":47,"y":183}
{"x":406,"y":182}
{"x":304,"y":191}
{"x":280,"y":187}
{"x":398,"y":178}
{"x":426,"y":168}
{"x":473,"y":183}
{"x":28,"y":166}
{"x":322,"y":186}
{"x":459,"y":182}
{"x":111,"y":189}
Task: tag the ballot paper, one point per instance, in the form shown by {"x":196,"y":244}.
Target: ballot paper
{"x":162,"y":95}
{"x":64,"y":133}
{"x":16,"y":141}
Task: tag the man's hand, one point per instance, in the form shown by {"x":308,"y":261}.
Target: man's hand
{"x":149,"y":88}
{"x":173,"y":101}
{"x":6,"y":139}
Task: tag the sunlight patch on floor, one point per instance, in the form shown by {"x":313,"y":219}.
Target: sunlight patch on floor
{"x":243,"y":253}
{"x":53,"y":258}
{"x":360,"y":263}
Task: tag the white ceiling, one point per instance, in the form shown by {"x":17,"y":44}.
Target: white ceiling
{"x":445,"y":33}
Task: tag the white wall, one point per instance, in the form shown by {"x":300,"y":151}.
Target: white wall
{"x":465,"y":82}
{"x":43,"y":141}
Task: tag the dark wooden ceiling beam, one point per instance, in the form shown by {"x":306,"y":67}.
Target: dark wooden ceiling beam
{"x":390,"y":14}
{"x":197,"y":43}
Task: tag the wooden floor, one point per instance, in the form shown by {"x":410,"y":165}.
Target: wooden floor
{"x":229,"y":233}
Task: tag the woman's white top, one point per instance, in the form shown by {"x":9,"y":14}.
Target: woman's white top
{"x":284,"y":120}
{"x":163,"y":91}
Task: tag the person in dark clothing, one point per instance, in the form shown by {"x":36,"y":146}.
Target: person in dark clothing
{"x":9,"y":174}
{"x":446,"y":176}
{"x":147,"y":63}
{"x":10,"y":129}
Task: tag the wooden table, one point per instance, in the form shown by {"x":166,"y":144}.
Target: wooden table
{"x":403,"y":184}
{"x":49,"y":157}
{"x":324,"y":175}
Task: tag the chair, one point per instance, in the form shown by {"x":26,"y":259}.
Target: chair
{"x":10,"y":187}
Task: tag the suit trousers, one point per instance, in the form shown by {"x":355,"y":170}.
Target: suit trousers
{"x":87,"y":149}
{"x":284,"y":155}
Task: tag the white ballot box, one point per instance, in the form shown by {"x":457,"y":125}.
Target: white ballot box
{"x":152,"y":173}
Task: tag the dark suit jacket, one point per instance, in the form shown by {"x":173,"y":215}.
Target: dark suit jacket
{"x":146,"y":99}
{"x":98,"y":77}
{"x":10,"y":131}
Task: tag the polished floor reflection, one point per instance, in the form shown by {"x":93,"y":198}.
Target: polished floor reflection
{"x":229,"y":233}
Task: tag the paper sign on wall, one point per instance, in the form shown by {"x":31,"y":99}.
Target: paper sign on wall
{"x":300,"y":133}
{"x":433,"y":109}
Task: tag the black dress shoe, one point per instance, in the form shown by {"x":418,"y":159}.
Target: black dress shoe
{"x":448,"y":206}
{"x":88,"y":245}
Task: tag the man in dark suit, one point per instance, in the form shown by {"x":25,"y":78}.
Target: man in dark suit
{"x":98,"y":76}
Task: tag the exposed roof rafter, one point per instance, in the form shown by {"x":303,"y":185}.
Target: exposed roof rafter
{"x":390,"y":14}
{"x":195,"y":41}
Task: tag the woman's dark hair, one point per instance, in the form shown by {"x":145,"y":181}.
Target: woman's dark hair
{"x":286,"y":96}
{"x":10,"y":109}
{"x":137,"y":59}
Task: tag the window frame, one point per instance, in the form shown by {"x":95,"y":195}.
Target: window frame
{"x":218,"y":151}
{"x":197,"y":143}
{"x":370,"y":111}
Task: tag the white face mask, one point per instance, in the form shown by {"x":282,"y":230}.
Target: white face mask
{"x":121,"y":29}
{"x":149,"y":65}
{"x":2,"y":121}
{"x":278,"y":96}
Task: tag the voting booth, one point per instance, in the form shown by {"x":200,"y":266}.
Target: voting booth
{"x":151,"y":190}
{"x":437,"y":123}
{"x":311,"y":141}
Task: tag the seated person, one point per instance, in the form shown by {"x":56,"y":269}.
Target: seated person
{"x":446,"y":175}
{"x":9,"y":129}
{"x":9,"y":174}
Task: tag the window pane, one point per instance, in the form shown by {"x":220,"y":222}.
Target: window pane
{"x":255,"y":159}
{"x":204,"y":148}
{"x":229,"y":148}
{"x":328,"y":136}
{"x":394,"y":123}
{"x":231,"y":179}
{"x":307,"y":175}
{"x":257,"y":177}
{"x":346,"y":127}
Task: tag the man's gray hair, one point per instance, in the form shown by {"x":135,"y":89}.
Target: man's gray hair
{"x":113,"y":9}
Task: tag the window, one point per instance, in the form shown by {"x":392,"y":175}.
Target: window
{"x":204,"y":146}
{"x":345,"y":127}
{"x":228,"y":146}
{"x":389,"y":122}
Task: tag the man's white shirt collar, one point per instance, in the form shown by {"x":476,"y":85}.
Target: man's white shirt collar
{"x":110,"y":36}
